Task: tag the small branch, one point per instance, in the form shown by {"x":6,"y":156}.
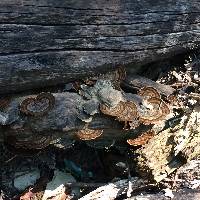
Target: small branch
{"x":113,"y":190}
{"x":85,"y":185}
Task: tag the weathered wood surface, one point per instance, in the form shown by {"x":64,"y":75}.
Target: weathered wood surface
{"x":180,"y":195}
{"x":136,"y":81}
{"x":48,"y":42}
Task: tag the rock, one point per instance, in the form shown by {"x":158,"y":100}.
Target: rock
{"x":56,"y":188}
{"x":22,"y":180}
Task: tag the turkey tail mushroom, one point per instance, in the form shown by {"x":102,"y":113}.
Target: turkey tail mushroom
{"x":149,"y":92}
{"x":157,"y":111}
{"x":142,"y":139}
{"x":128,"y":111}
{"x":120,"y":74}
{"x":124,"y":111}
{"x":88,"y":134}
{"x":39,"y":105}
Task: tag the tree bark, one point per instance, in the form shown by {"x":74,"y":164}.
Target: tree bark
{"x":46,"y":42}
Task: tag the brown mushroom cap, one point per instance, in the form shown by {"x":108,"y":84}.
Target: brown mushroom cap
{"x":124,"y":111}
{"x":88,"y":134}
{"x":142,"y":139}
{"x":39,"y":105}
{"x":174,"y":101}
{"x":112,"y":111}
{"x":128,"y":111}
{"x":117,"y":75}
{"x":149,"y":92}
{"x":158,"y":112}
{"x":120,"y":74}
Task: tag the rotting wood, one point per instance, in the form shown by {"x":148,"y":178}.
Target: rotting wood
{"x":171,"y":148}
{"x":46,"y":43}
{"x":159,"y":157}
{"x":137,"y":82}
{"x":57,"y":115}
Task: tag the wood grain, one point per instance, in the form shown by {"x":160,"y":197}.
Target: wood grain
{"x":46,"y":42}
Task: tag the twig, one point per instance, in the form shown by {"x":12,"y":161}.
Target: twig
{"x":7,"y":161}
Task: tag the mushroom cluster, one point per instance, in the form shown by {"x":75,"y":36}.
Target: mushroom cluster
{"x":124,"y":111}
{"x":116,"y":77}
{"x":152,"y":110}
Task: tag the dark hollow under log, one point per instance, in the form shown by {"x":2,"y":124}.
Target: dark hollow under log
{"x":48,"y":42}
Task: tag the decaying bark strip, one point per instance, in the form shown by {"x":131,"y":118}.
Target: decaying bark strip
{"x":136,"y":81}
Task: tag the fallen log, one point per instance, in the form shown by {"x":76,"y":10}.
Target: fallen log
{"x":45,"y":43}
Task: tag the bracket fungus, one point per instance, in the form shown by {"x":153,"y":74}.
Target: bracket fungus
{"x":28,"y":141}
{"x":123,"y":111}
{"x":38,"y":106}
{"x":117,"y":77}
{"x":88,"y":134}
{"x":148,"y":92}
{"x":157,"y":111}
{"x":142,"y":139}
{"x":127,"y":111}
